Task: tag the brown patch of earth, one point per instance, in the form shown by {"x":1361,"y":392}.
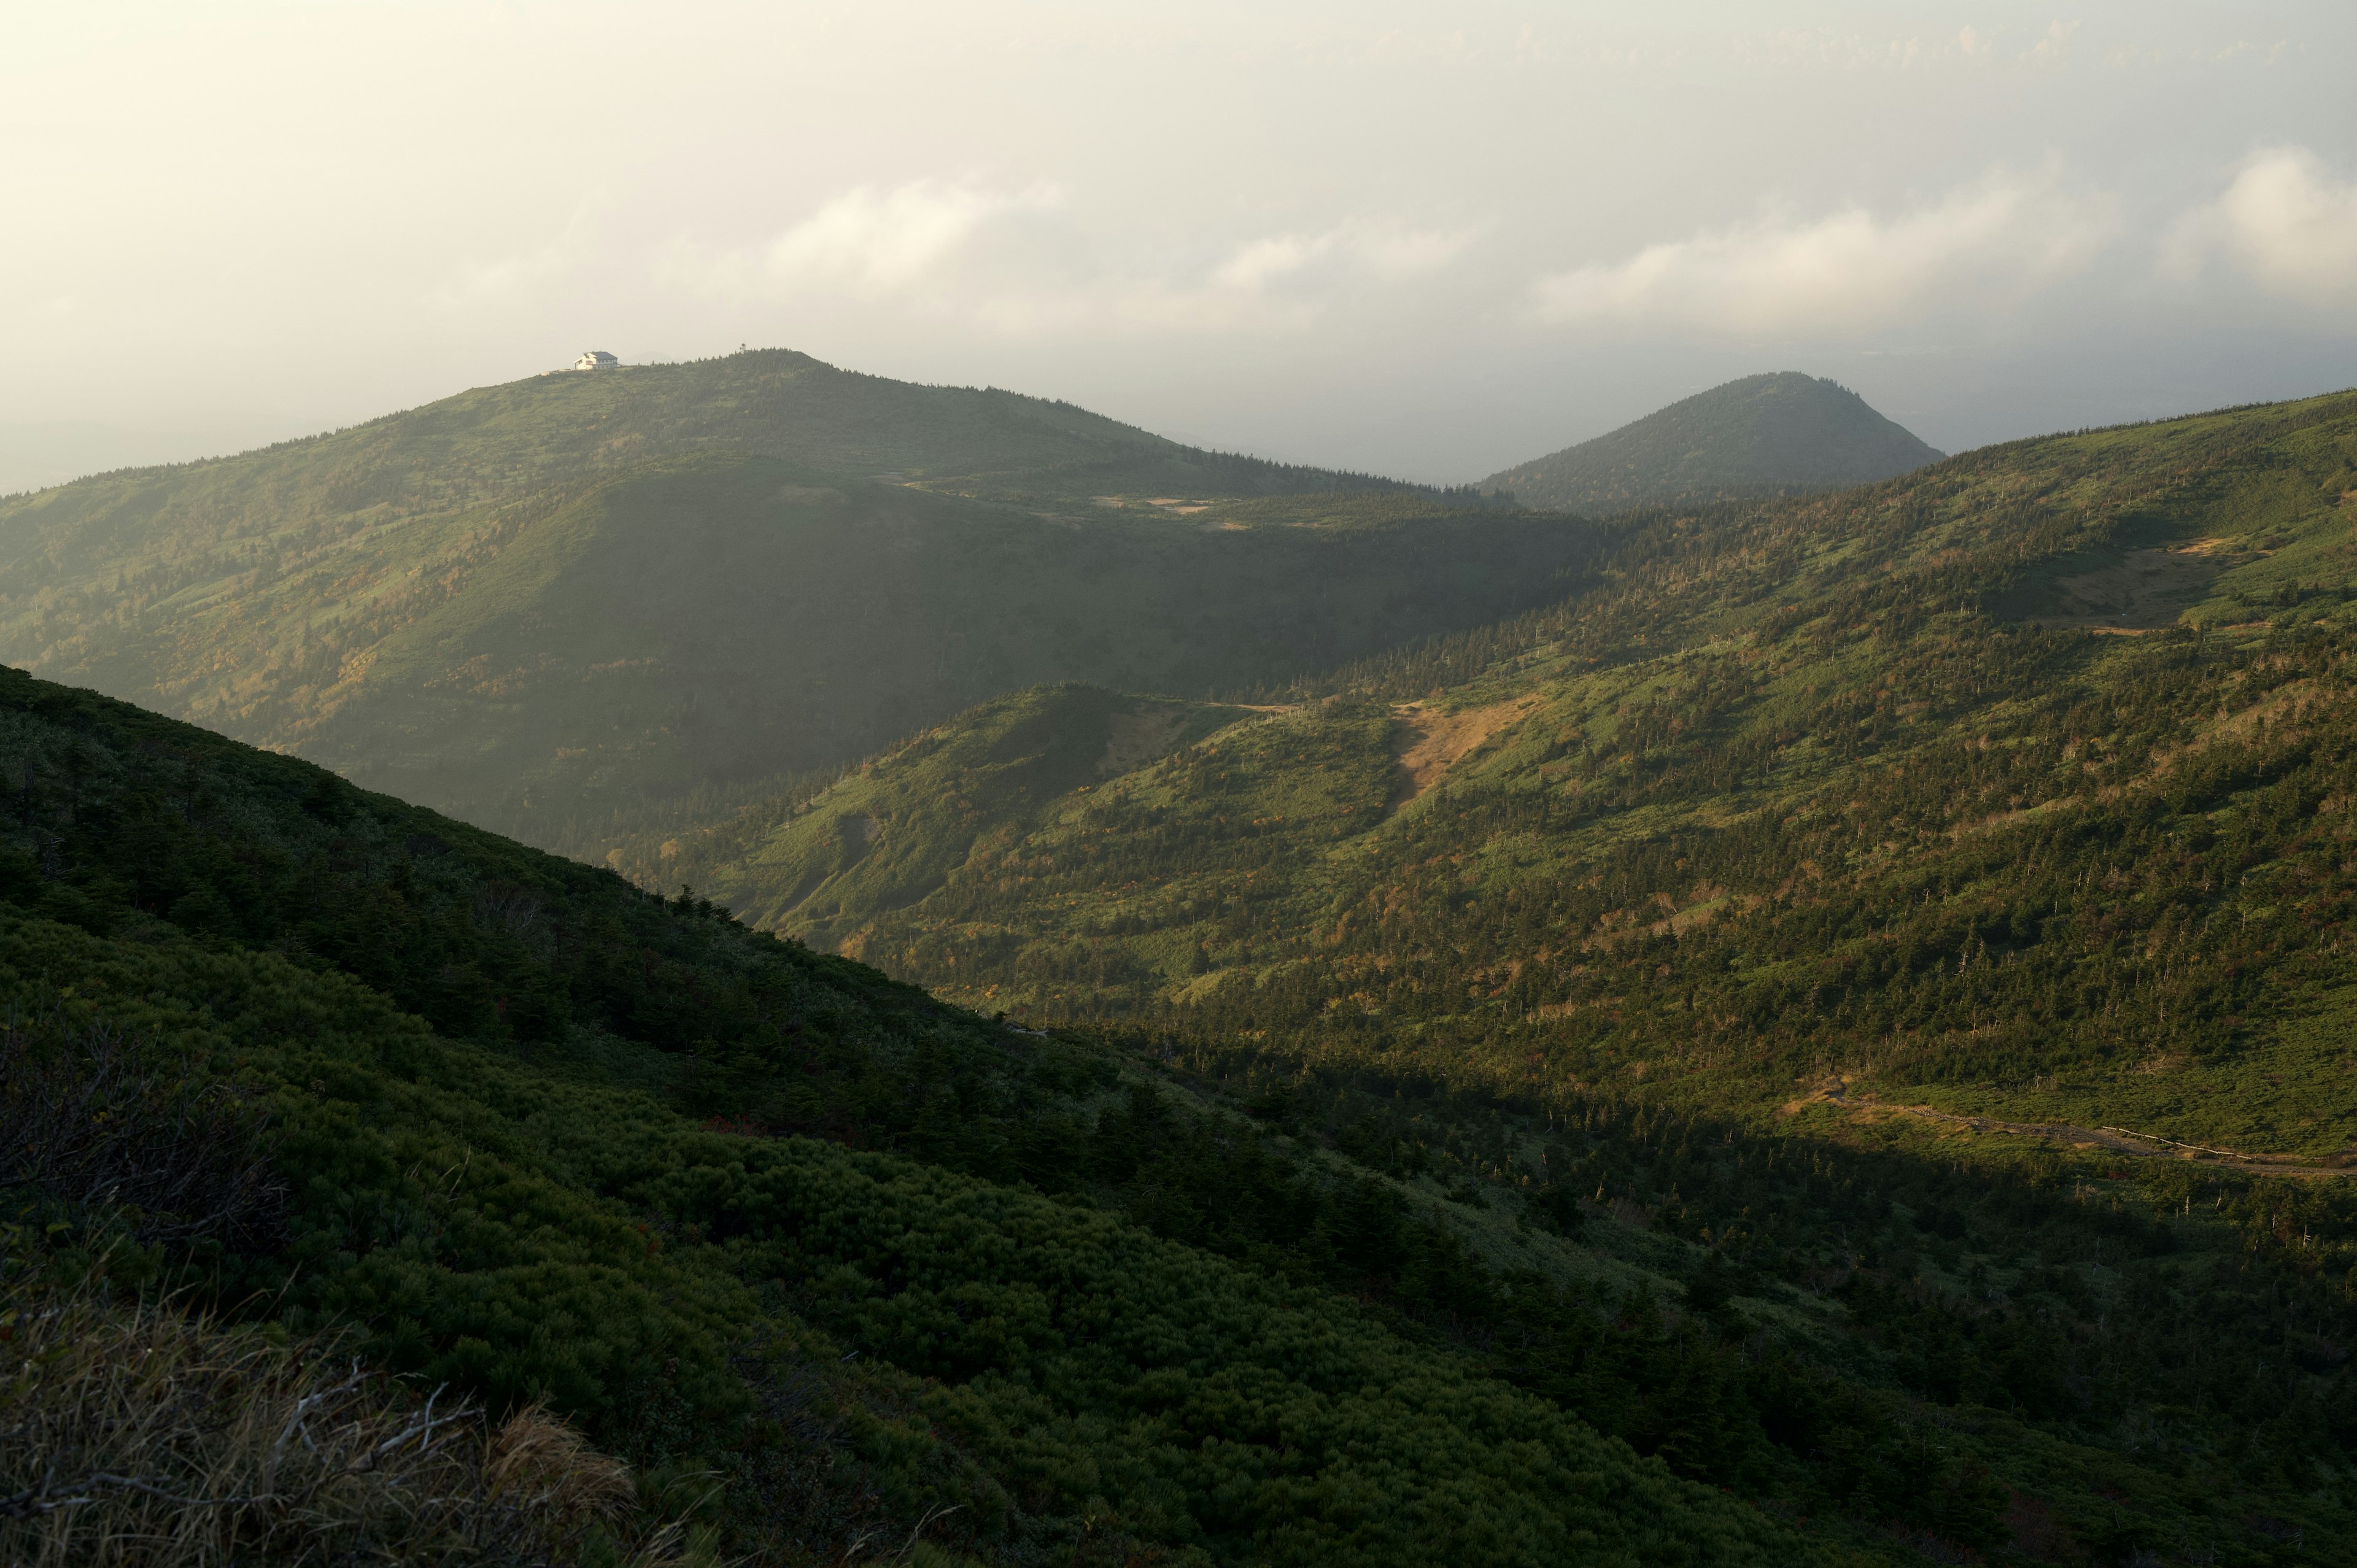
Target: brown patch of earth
{"x":1429,"y":742}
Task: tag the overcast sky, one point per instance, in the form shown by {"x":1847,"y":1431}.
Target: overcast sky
{"x":1429,"y":240}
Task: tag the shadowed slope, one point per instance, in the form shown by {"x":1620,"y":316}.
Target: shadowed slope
{"x":531,"y":1131}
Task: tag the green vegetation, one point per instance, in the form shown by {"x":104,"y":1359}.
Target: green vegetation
{"x":1958,"y":822}
{"x":1774,"y":435}
{"x":824,"y":862}
{"x":1790,"y":793}
{"x":521,"y":1123}
{"x":1699,"y":1070}
{"x":580,"y":606}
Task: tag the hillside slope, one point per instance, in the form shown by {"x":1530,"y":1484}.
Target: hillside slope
{"x":847,"y":1264}
{"x":1779,"y":434}
{"x":531,"y":602}
{"x":521,"y":1130}
{"x":1768,"y":725}
{"x":888,"y":834}
{"x":709,"y":622}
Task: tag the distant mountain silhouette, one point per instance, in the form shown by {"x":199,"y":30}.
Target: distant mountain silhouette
{"x":1785,"y":432}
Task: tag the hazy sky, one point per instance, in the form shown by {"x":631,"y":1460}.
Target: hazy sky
{"x":1430,"y":240}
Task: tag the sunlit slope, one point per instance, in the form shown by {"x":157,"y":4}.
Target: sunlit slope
{"x":536,"y":604}
{"x":1763,"y":434}
{"x":1861,"y":790}
{"x":712,"y":620}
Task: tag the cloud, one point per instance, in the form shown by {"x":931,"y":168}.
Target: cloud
{"x":523,"y":275}
{"x":1352,"y":252}
{"x":871,"y":242}
{"x":1024,"y":263}
{"x":1984,"y":247}
{"x":2054,"y":48}
{"x":2285,"y":223}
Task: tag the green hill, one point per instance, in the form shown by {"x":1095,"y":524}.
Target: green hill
{"x":1781,"y":434}
{"x":541,"y":604}
{"x":884,"y":837}
{"x":1770,"y":718}
{"x":710,"y":623}
{"x":1995,"y":814}
{"x":510,"y":1128}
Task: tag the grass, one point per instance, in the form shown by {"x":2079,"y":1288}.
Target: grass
{"x":136,"y":1433}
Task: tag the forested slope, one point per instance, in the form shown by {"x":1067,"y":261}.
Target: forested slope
{"x":517,"y":1130}
{"x":702,"y":626}
{"x":2023,"y":773}
{"x":538,"y":605}
{"x":1781,"y":434}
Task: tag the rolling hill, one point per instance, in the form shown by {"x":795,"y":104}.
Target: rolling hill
{"x":538,"y":604}
{"x":813,"y":1257}
{"x":1995,"y":816}
{"x":1774,"y":435}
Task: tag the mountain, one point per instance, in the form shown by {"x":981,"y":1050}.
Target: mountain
{"x":1781,"y":434}
{"x":1995,"y":816}
{"x":538,"y":605}
{"x":1613,"y":1085}
{"x":812,"y":1258}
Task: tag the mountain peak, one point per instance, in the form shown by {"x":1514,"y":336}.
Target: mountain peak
{"x":1784,"y":431}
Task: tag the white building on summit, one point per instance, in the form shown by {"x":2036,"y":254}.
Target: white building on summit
{"x":596,"y":359}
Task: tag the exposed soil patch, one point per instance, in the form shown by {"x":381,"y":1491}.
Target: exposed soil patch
{"x":1429,"y":742}
{"x":1178,"y":506}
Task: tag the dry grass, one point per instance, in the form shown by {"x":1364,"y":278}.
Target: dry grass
{"x":149,"y":1436}
{"x":1429,"y":742}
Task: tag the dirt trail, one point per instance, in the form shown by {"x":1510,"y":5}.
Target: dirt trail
{"x":1429,"y":743}
{"x":2118,"y":1140}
